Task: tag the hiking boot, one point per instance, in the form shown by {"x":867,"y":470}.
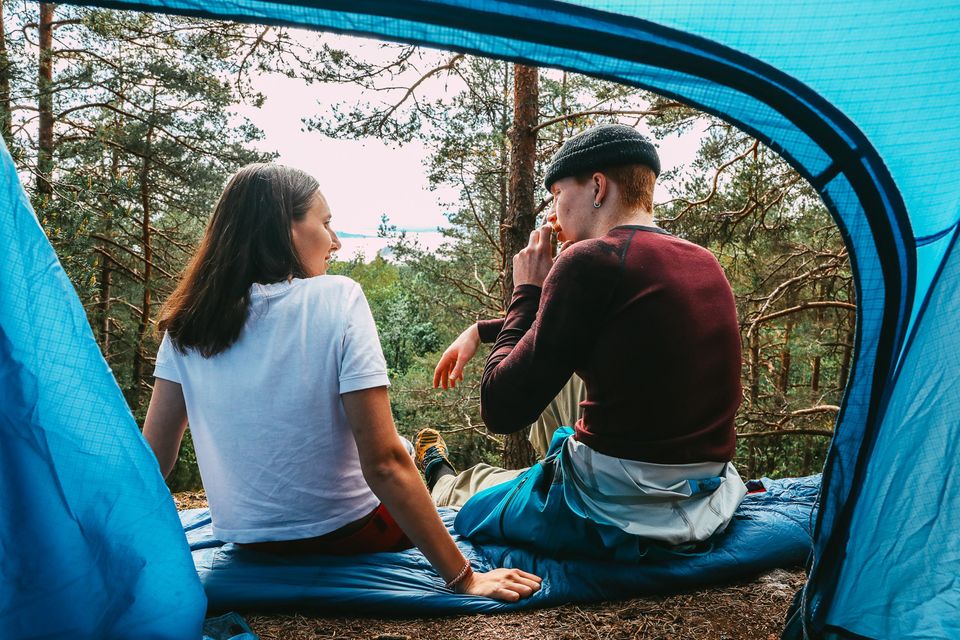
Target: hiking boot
{"x":431,"y":451}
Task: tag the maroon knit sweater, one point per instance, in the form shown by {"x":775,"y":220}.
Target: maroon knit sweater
{"x":648,"y":321}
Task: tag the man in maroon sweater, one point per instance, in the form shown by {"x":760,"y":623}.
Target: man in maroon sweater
{"x":647,"y":321}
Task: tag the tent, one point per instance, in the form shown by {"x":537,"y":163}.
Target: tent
{"x":860,"y":97}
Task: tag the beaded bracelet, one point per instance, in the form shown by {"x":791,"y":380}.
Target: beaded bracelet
{"x":467,"y":570}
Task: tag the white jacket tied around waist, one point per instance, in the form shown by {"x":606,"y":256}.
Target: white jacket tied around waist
{"x":669,"y":503}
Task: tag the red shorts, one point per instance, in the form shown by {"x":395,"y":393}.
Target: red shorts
{"x":377,"y":531}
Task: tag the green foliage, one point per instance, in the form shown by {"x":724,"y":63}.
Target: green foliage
{"x":455,"y":412}
{"x":186,"y":474}
{"x":781,"y":457}
{"x":144,"y":136}
{"x":410,"y":339}
{"x":405,"y":331}
{"x":782,"y":253}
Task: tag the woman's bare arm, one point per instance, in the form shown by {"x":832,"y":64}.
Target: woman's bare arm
{"x":391,"y":474}
{"x":165,"y":423}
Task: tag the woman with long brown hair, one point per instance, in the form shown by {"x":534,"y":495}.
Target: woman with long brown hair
{"x":278,"y":369}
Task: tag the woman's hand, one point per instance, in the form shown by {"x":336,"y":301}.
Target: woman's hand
{"x":532,"y":263}
{"x":501,"y":584}
{"x":455,"y":358}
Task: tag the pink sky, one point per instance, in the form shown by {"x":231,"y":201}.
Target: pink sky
{"x":363,"y":179}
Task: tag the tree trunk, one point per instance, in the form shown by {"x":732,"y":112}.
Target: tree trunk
{"x":106,"y":264}
{"x":784,"y":382}
{"x":504,"y":180}
{"x":520,"y":219}
{"x":146,"y":241}
{"x":6,"y":130}
{"x":815,"y":378}
{"x":825,"y":294}
{"x":754,"y":367}
{"x":45,"y":104}
{"x":847,"y":352}
{"x":103,"y":305}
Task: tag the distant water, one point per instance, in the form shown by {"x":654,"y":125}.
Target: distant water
{"x":369,"y":246}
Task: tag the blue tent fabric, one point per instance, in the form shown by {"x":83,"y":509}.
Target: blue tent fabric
{"x":920,"y":553}
{"x":90,"y":543}
{"x":861,"y":98}
{"x":771,"y":529}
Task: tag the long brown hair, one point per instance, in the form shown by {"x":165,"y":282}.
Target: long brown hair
{"x":248,"y":239}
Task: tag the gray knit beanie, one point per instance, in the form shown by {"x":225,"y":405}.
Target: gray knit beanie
{"x":602,"y":147}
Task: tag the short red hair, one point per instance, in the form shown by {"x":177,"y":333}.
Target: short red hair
{"x":635,"y":182}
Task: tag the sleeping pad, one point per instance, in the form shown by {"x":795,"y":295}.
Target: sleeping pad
{"x":772,"y":528}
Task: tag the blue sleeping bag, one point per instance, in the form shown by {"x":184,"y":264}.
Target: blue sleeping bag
{"x":542,"y":509}
{"x":770,"y":529}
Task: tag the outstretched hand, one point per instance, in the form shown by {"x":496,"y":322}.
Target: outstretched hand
{"x":502,"y":584}
{"x":450,"y":368}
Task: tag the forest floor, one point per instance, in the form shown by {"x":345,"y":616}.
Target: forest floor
{"x":742,"y":610}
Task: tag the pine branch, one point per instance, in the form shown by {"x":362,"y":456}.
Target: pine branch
{"x":451,"y":64}
{"x":787,"y":432}
{"x":716,"y":184}
{"x":605,"y":112}
{"x":132,"y":253}
{"x":817,"y":304}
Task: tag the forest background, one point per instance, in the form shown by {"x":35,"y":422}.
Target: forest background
{"x":124,"y":127}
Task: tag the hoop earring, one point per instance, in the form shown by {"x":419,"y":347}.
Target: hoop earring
{"x":597,"y":205}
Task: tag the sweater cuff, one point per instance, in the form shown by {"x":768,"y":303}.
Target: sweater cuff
{"x":526,"y":294}
{"x":523,"y":307}
{"x":489,"y":330}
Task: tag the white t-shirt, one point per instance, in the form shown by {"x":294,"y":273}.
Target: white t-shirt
{"x":275,"y":450}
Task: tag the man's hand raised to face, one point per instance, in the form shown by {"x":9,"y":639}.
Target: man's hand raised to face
{"x":532,"y":263}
